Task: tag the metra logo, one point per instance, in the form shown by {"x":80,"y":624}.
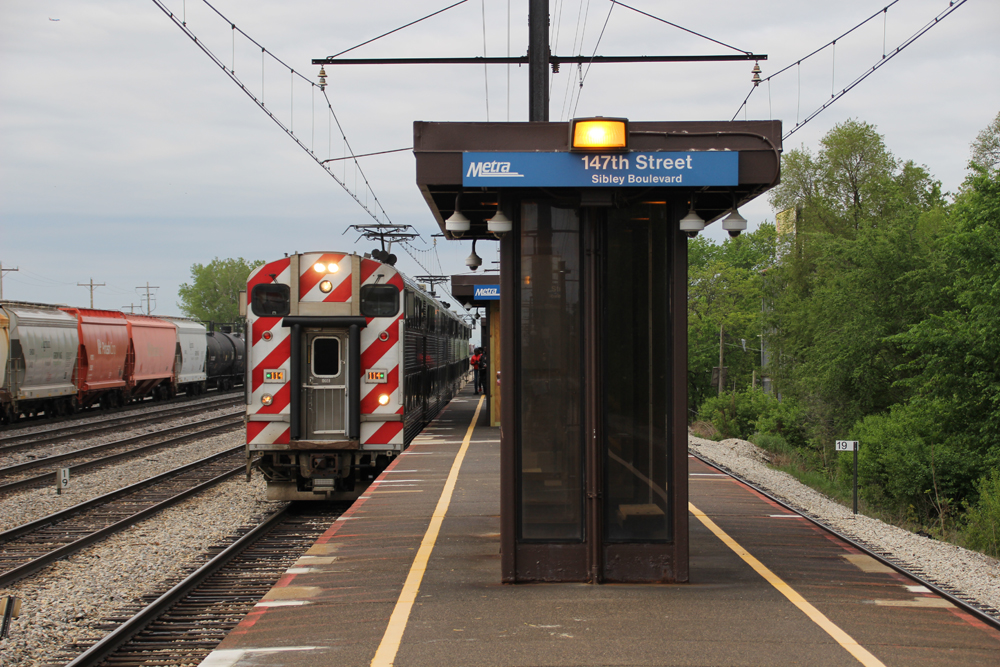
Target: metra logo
{"x":486,"y":292}
{"x":493,"y":169}
{"x":105,"y":348}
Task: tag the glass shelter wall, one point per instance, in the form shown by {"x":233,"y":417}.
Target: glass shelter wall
{"x":637,"y":399}
{"x":551,"y":375}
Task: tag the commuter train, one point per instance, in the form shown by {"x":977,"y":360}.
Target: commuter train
{"x":56,"y":360}
{"x":347,"y":361}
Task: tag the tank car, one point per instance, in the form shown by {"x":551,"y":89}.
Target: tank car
{"x":226,"y":352}
{"x":38,"y":344}
{"x":347,"y":361}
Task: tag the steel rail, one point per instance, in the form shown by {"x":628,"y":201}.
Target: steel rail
{"x":41,"y":479}
{"x":62,"y":515}
{"x":55,"y":458}
{"x":32,"y":566}
{"x":61,"y":433}
{"x":967,"y":607}
{"x":129,"y":409}
{"x":125,"y":632}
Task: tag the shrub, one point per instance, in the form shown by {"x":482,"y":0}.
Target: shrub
{"x":905,"y":460}
{"x":743,"y":413}
{"x":982,"y":522}
{"x":772,"y":442}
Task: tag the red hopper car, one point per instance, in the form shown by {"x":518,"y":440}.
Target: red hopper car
{"x":104,"y":345}
{"x":149,"y":368}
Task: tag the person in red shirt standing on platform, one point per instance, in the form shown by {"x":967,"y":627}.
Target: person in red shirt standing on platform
{"x":478,"y":363}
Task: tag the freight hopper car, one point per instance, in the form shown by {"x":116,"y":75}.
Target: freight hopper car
{"x":347,"y":362}
{"x":190,"y":357}
{"x":38,"y":347}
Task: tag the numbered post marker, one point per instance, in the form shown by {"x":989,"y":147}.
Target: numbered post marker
{"x":851,"y":446}
{"x":62,"y":479}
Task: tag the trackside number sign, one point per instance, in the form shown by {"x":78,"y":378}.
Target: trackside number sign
{"x":846,"y":445}
{"x":575,"y":170}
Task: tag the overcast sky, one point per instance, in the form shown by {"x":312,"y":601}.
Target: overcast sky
{"x":127,"y":155}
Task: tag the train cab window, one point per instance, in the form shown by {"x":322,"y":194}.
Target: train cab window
{"x":271,"y":300}
{"x":326,"y":357}
{"x":379,"y":300}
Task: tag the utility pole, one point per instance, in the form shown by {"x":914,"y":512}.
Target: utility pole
{"x":149,"y":302}
{"x":3,"y":271}
{"x":131,"y":308}
{"x":91,"y":285}
{"x":538,"y":60}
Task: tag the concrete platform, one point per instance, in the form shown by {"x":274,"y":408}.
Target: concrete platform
{"x":781,"y":592}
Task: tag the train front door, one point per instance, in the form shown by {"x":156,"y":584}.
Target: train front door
{"x":325,"y":373}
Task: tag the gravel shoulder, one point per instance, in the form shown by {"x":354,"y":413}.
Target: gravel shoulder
{"x":976,"y":575}
{"x":63,"y":603}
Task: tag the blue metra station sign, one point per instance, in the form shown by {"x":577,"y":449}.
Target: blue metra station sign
{"x":486,"y":293}
{"x":588,"y":170}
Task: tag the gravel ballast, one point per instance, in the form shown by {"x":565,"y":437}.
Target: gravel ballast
{"x":20,"y":508}
{"x":63,"y":603}
{"x":974,"y":575}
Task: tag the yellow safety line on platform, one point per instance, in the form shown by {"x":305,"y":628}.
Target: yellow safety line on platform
{"x":387,"y":649}
{"x":841,"y":637}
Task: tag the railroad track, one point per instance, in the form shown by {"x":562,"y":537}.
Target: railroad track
{"x":28,"y":548}
{"x":187,"y":622}
{"x":42,"y":421}
{"x":190,"y":431}
{"x":21,"y":441}
{"x":987,"y":615}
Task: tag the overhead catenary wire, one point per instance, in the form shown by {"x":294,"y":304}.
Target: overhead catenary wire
{"x":374,"y":210}
{"x":832,"y":44}
{"x":386,"y":34}
{"x":578,"y":38}
{"x":583,"y":73}
{"x":680,"y":27}
{"x":798,"y":62}
{"x":486,"y":71}
{"x":952,"y":6}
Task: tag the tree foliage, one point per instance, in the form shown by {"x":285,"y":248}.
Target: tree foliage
{"x":724,"y":291}
{"x":213,"y":294}
{"x":882,"y":321}
{"x":986,"y":147}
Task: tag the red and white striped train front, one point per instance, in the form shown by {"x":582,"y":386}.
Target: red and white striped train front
{"x":324,"y":399}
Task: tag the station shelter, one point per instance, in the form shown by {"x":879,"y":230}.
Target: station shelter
{"x":593,"y":321}
{"x":483,"y":291}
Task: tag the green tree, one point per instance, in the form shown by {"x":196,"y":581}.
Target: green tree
{"x":954,"y":352}
{"x":724,"y":290}
{"x":213,"y":294}
{"x":866,"y":224}
{"x":986,"y":147}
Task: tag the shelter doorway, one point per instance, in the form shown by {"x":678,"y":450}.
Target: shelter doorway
{"x":599,"y":445}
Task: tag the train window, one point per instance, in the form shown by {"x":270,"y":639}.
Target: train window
{"x":379,"y":300}
{"x":270,"y":299}
{"x":326,"y":357}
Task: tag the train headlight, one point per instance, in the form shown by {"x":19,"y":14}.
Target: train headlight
{"x":325,"y":287}
{"x":383,"y":399}
{"x":267,"y":399}
{"x":320,"y":267}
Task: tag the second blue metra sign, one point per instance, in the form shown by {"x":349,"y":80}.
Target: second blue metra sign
{"x":578,"y":170}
